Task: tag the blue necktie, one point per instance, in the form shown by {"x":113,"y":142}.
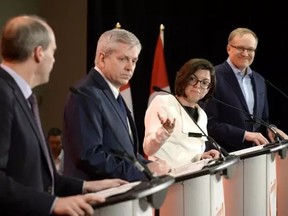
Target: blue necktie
{"x":121,"y":102}
{"x":127,"y":118}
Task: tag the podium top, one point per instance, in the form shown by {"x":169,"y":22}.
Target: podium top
{"x":262,"y":149}
{"x":205,"y":167}
{"x":143,"y":189}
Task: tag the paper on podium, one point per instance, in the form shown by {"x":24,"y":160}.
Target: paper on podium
{"x":116,"y":190}
{"x":189,"y":168}
{"x":247,"y":150}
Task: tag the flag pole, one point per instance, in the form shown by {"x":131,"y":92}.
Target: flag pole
{"x":162,"y":28}
{"x":159,"y":76}
{"x":118,"y":26}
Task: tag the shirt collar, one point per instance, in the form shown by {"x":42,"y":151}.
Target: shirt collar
{"x":237,"y":71}
{"x":114,"y":90}
{"x":23,"y":85}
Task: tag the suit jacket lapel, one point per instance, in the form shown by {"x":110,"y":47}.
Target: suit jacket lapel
{"x":232,"y":80}
{"x":27,"y":111}
{"x":99,"y":81}
{"x":257,"y":90}
{"x":22,"y":102}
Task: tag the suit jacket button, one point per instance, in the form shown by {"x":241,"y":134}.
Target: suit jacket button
{"x":49,"y":189}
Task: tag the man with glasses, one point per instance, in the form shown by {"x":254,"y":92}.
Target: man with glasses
{"x":243,"y":88}
{"x":170,"y":120}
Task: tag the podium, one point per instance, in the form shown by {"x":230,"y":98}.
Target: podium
{"x":253,"y":189}
{"x":282,"y":181}
{"x":142,"y":199}
{"x":198,"y":192}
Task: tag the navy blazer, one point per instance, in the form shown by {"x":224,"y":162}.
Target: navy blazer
{"x":94,"y":130}
{"x":227,"y":125}
{"x":25,"y":178}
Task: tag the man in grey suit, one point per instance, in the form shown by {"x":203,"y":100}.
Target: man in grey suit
{"x":29,"y":183}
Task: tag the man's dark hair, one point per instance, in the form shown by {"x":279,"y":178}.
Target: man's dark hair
{"x":54,"y":132}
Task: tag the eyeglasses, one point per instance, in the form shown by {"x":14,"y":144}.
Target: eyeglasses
{"x":204,"y":84}
{"x":241,"y":49}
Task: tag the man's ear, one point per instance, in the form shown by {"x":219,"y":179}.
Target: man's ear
{"x":101,"y":59}
{"x":38,"y":53}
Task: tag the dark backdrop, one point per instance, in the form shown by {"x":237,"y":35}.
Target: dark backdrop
{"x":195,"y":29}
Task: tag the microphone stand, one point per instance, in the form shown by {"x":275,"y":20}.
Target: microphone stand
{"x":272,"y":85}
{"x":279,"y":145}
{"x":254,"y":117}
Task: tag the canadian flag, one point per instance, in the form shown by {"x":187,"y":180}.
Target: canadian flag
{"x":125,"y":91}
{"x":159,"y":73}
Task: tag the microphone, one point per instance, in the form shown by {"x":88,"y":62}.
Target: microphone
{"x":254,"y":119}
{"x":123,"y":154}
{"x":281,"y":92}
{"x":221,"y":150}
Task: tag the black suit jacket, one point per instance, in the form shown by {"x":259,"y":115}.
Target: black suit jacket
{"x":227,"y":125}
{"x":94,"y":129}
{"x":25,"y":179}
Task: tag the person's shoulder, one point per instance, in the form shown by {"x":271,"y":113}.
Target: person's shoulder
{"x":162,"y":100}
{"x":164,"y":97}
{"x":221,"y":66}
{"x":259,"y":79}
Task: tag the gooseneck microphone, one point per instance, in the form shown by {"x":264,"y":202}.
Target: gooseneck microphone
{"x":123,"y":154}
{"x":277,"y":89}
{"x":221,"y":150}
{"x":254,"y":119}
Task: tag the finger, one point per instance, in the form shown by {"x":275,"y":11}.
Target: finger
{"x":121,"y":181}
{"x":86,"y":209}
{"x":159,"y":117}
{"x":93,"y":198}
{"x":77,"y":210}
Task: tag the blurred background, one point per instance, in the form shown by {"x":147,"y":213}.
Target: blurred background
{"x":196,"y":29}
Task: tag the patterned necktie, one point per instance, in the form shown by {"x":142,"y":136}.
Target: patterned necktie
{"x":34,"y":107}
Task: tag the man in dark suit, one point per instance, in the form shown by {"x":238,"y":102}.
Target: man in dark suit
{"x":99,"y":134}
{"x":239,"y":86}
{"x":29,"y":183}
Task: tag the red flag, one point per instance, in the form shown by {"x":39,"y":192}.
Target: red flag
{"x":159,"y":73}
{"x":126,"y":94}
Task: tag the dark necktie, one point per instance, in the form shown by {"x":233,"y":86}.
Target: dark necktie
{"x":120,"y":101}
{"x":34,"y":107}
{"x":127,"y":116}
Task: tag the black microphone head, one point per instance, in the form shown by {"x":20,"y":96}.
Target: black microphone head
{"x":157,"y":88}
{"x":192,"y":134}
